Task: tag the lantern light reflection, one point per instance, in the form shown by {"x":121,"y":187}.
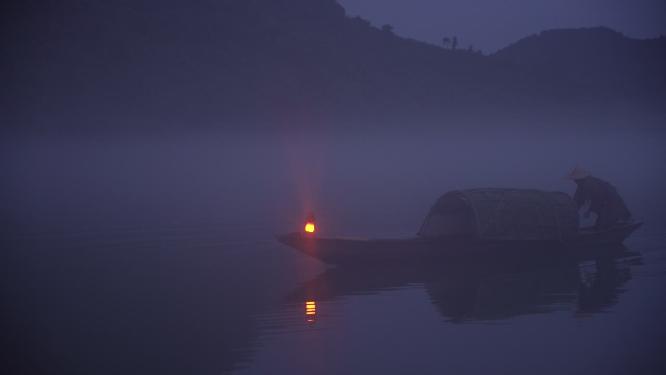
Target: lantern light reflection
{"x":310,"y":311}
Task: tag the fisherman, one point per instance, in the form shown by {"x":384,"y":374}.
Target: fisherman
{"x":601,"y":197}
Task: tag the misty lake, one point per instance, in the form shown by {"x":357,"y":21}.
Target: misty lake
{"x":156,"y":254}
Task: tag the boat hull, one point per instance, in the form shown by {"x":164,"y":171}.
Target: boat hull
{"x":341,"y":251}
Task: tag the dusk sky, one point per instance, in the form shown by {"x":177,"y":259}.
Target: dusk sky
{"x":492,"y":24}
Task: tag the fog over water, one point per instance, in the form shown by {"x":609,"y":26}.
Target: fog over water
{"x":156,"y":253}
{"x":351,"y":179}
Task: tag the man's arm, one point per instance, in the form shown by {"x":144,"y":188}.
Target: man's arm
{"x":579,"y":198}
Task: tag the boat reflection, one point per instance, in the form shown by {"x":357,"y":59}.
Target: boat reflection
{"x":486,"y":292}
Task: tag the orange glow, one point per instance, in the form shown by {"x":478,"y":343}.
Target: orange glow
{"x":310,"y":310}
{"x":310,"y":227}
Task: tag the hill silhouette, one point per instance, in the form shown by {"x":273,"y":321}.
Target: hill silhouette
{"x":595,"y":65}
{"x":205,"y":62}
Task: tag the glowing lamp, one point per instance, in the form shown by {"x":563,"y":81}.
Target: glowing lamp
{"x":309,"y":227}
{"x":310,"y":224}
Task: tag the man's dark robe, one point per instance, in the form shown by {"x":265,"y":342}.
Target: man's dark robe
{"x":604,"y":201}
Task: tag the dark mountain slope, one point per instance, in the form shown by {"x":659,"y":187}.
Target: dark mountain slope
{"x":595,"y":62}
{"x":187,"y":63}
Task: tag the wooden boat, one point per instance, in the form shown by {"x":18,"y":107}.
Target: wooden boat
{"x":477,"y":225}
{"x":350,"y":251}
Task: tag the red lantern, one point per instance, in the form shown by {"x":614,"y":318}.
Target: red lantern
{"x":310,"y":226}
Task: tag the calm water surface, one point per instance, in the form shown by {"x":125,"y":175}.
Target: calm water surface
{"x":156,"y":255}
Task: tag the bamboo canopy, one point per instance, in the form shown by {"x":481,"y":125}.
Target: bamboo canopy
{"x":503,"y":215}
